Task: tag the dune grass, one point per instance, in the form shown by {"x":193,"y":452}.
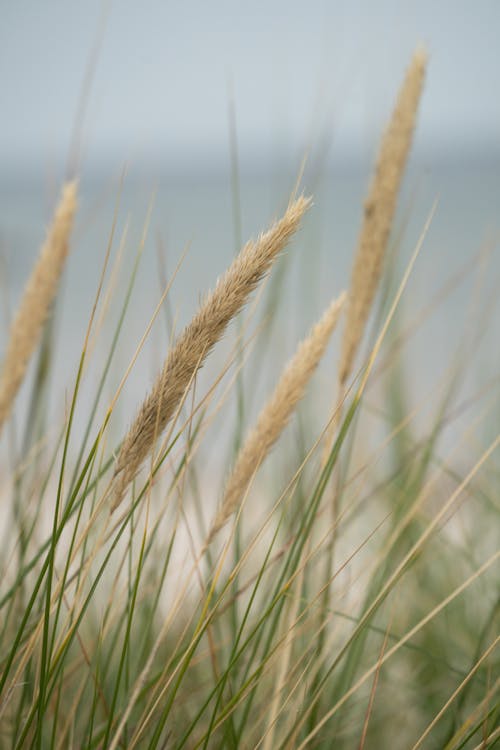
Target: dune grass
{"x":350,"y":602}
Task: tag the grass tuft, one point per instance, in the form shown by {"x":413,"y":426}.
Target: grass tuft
{"x":368,"y":622}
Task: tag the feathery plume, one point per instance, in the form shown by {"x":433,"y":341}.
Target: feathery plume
{"x":277,"y":412}
{"x":196,"y":341}
{"x":37,"y":299}
{"x":379,"y":211}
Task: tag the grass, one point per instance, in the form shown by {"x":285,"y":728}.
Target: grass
{"x":349,"y":601}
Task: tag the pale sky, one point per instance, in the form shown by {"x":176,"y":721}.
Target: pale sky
{"x":297,"y":70}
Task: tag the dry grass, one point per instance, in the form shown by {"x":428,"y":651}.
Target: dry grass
{"x":276,"y":414}
{"x":379,"y":211}
{"x":37,"y":300}
{"x":198,"y":338}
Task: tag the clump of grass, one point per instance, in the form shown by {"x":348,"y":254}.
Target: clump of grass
{"x":131,"y":631}
{"x":37,"y":300}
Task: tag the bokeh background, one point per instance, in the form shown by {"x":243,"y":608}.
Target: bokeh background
{"x":211,"y":108}
{"x":164,"y":72}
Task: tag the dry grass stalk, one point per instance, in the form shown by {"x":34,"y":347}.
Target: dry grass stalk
{"x":196,"y":341}
{"x":37,"y":300}
{"x":379,"y":211}
{"x":276,"y":413}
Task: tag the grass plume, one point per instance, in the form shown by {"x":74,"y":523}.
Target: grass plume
{"x":196,"y":341}
{"x":276,"y":414}
{"x":37,"y":300}
{"x":379,"y":211}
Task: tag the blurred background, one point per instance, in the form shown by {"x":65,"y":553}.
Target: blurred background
{"x":164,"y":73}
{"x":210,"y":109}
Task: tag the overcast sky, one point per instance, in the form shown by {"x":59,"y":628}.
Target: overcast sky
{"x":297,"y":70}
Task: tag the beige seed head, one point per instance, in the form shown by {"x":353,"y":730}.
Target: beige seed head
{"x":379,"y":211}
{"x":37,"y":299}
{"x":196,"y":341}
{"x":276,"y":413}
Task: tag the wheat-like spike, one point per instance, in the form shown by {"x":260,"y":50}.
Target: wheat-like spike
{"x":379,"y":211}
{"x":195,"y":342}
{"x":276,"y":413}
{"x":37,"y":299}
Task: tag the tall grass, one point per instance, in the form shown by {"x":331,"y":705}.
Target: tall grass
{"x":142,"y":606}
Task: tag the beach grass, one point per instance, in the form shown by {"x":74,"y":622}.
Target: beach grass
{"x":345,"y":597}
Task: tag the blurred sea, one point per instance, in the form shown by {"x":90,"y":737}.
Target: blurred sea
{"x":441,"y":315}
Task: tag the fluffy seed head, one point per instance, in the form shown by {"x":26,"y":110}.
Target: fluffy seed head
{"x":277,"y":412}
{"x":379,"y":211}
{"x":37,"y":299}
{"x":196,"y":341}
